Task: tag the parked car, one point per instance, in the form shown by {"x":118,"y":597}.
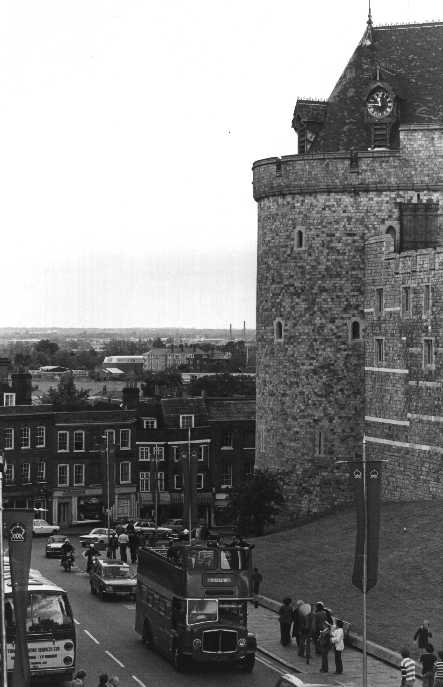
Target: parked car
{"x":288,"y":680}
{"x":148,"y":527}
{"x":54,"y":546}
{"x":111,"y":578}
{"x":98,"y":536}
{"x":42,"y":527}
{"x":175,"y":524}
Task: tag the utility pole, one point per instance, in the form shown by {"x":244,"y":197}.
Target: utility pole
{"x":2,"y":581}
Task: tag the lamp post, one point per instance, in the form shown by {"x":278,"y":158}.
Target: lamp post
{"x":2,"y":580}
{"x":108,"y":495}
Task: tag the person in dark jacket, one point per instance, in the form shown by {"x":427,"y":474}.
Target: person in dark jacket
{"x":133,"y":546}
{"x":256,"y":580}
{"x":320,"y":620}
{"x":427,"y":660}
{"x":422,"y":636}
{"x":113,"y":546}
{"x":285,"y":619}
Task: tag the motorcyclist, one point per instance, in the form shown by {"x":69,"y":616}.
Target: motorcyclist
{"x":90,"y":554}
{"x":67,"y":550}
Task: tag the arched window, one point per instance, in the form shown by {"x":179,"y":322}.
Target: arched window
{"x":299,"y":238}
{"x":355,"y":330}
{"x":278,"y":330}
{"x":391,"y":240}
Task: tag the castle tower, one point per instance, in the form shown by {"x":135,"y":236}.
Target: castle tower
{"x":338,"y":224}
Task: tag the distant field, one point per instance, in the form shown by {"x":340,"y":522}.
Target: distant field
{"x":314,"y":563}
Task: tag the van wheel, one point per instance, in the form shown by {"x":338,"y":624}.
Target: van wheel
{"x":179,"y":660}
{"x":147,"y":636}
{"x":248,"y":663}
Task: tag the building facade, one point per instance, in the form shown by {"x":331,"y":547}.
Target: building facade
{"x":350,"y":229}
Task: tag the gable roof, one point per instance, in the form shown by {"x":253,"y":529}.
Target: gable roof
{"x":220,"y":409}
{"x":172,"y":408}
{"x":410,"y":59}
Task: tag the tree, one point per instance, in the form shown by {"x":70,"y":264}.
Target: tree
{"x":255,"y":503}
{"x":66,"y":396}
{"x":46,"y":347}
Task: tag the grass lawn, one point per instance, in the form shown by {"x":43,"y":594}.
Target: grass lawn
{"x":314,"y":562}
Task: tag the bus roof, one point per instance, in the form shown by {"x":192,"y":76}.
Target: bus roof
{"x":36,"y":581}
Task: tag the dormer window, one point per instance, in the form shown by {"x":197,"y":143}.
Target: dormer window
{"x":186,"y":421}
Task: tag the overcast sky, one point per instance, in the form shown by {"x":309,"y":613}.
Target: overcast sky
{"x":128,"y":131}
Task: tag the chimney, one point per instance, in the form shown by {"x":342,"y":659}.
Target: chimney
{"x":22,"y":387}
{"x":130,"y":396}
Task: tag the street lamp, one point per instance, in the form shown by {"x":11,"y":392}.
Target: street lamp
{"x":2,"y":580}
{"x":108,"y":488}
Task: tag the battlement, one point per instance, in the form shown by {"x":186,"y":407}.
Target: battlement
{"x":418,"y":164}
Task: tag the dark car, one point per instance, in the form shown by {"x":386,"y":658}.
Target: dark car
{"x":112,"y":578}
{"x":175,"y":524}
{"x":54,"y":546}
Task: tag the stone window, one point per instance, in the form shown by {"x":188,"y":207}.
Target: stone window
{"x":150,"y":423}
{"x":299,"y":239}
{"x":8,"y":438}
{"x":178,"y":481}
{"x":79,"y":440}
{"x":227,"y":475}
{"x":319,"y":447}
{"x":278,"y":330}
{"x":63,"y":475}
{"x":186,"y":421}
{"x":26,"y":473}
{"x":79,"y":474}
{"x":125,"y":472}
{"x":161,"y":481}
{"x":41,"y":471}
{"x":406,"y":304}
{"x":379,"y":301}
{"x":40,"y":437}
{"x":25,"y":437}
{"x":62,"y":441}
{"x":145,"y":481}
{"x":125,"y":439}
{"x":428,"y":353}
{"x":9,"y":399}
{"x":379,"y":351}
{"x":227,"y":440}
{"x":9,"y":473}
{"x":110,"y":436}
{"x":355,"y":330}
{"x":426,"y":299}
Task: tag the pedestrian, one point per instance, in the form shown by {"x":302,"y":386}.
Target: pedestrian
{"x":102,"y":680}
{"x":79,"y":679}
{"x":113,"y":546}
{"x":338,"y":642}
{"x":133,"y":546}
{"x":123,"y":541}
{"x":256,"y":580}
{"x":320,"y":620}
{"x":324,"y":643}
{"x":438,"y":670}
{"x":427,"y":660}
{"x":407,"y":666}
{"x":285,"y":619}
{"x":114,"y":681}
{"x":422,"y":636}
{"x":91,"y":554}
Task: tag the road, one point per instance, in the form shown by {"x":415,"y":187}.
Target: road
{"x":107,"y":642}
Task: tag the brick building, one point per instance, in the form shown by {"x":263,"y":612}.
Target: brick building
{"x":349,"y":286}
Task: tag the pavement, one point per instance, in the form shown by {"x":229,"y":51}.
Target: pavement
{"x":263,"y":622}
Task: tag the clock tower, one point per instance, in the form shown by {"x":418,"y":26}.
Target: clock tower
{"x":381,"y":112}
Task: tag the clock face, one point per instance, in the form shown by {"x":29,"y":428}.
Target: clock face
{"x":380,"y":103}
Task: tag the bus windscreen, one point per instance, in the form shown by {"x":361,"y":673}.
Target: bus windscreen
{"x":44,"y":613}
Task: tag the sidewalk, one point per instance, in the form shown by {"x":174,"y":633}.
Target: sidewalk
{"x":263,"y":623}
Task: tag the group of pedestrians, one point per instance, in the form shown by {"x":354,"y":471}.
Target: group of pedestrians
{"x":432,"y":663}
{"x":104,"y":680}
{"x":312,"y":625}
{"x":125,"y":541}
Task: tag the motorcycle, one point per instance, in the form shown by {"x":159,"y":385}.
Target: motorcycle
{"x":68,"y":561}
{"x":91,"y":563}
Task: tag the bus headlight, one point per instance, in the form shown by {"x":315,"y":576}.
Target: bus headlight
{"x":67,"y":660}
{"x":197,"y":643}
{"x":68,"y":646}
{"x":242,"y":642}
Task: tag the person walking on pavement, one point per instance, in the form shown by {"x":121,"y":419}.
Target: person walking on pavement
{"x":438,"y":670}
{"x":123,"y":541}
{"x":285,"y":619}
{"x":102,"y":680}
{"x":305,"y":622}
{"x":320,"y":620}
{"x":407,"y":667}
{"x":114,"y":681}
{"x":422,"y":636}
{"x":427,"y":660}
{"x":113,"y":546}
{"x":324,"y":643}
{"x":79,"y":679}
{"x":338,"y":642}
{"x":133,"y":548}
{"x":256,"y":580}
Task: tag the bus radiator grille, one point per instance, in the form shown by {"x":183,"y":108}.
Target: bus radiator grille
{"x":219,"y":641}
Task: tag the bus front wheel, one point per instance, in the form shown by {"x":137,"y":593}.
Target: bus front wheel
{"x":248,"y":663}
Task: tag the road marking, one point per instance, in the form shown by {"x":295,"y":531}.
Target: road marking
{"x":76,"y":622}
{"x":139,"y":682}
{"x":91,"y":636}
{"x":115,"y":659}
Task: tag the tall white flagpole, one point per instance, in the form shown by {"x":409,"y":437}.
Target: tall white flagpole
{"x":2,"y":581}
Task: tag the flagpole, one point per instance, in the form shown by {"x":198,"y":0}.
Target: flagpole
{"x":190,"y":485}
{"x":365,"y":564}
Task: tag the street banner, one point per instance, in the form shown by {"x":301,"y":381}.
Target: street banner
{"x":368,"y":524}
{"x":108,"y":468}
{"x":19,"y":531}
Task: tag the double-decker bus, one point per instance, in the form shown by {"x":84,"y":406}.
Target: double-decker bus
{"x":191,"y":603}
{"x":49,"y":626}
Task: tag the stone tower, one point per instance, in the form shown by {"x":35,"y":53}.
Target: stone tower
{"x":345,"y":228}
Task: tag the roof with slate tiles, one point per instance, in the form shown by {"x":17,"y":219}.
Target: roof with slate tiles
{"x":229,"y":410}
{"x":172,"y":408}
{"x":409,"y":58}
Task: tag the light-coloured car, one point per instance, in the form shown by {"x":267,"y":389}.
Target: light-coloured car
{"x":288,"y":680}
{"x":111,"y":578}
{"x":42,"y":527}
{"x":54,"y":546}
{"x":99,"y":536}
